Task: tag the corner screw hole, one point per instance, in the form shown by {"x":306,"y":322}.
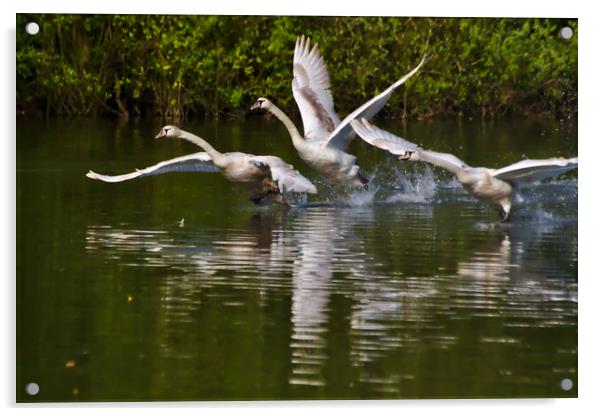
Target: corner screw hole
{"x":32,"y":28}
{"x":32,"y":389}
{"x":566,"y":33}
{"x":566,"y":384}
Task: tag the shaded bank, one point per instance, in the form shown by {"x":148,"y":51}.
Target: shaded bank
{"x":216,"y":66}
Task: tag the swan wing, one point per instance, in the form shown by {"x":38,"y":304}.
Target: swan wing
{"x":382,"y":139}
{"x":398,"y":146}
{"x":535,"y":170}
{"x":285,"y":175}
{"x":196,"y":162}
{"x":311,"y":89}
{"x":343,"y":134}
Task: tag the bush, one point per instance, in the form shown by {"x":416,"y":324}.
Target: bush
{"x":178,"y":66}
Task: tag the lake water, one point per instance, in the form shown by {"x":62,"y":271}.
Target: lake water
{"x":176,"y":287}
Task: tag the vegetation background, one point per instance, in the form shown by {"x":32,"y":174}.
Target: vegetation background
{"x":216,"y":66}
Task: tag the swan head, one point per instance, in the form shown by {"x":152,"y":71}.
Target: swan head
{"x":168,"y":131}
{"x":262,"y":103}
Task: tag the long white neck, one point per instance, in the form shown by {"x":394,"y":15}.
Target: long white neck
{"x":215,"y":155}
{"x":438,"y":159}
{"x":288,"y":123}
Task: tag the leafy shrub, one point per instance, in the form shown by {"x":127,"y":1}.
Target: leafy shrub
{"x":216,"y":66}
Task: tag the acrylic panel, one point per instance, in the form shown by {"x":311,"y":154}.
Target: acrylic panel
{"x":330,"y":258}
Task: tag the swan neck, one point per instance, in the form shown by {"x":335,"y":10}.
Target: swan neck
{"x":202,"y":143}
{"x":288,"y":123}
{"x":434,"y":159}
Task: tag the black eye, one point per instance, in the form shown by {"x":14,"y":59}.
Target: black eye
{"x":166,"y":129}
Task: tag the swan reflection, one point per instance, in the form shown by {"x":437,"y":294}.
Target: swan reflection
{"x":312,"y":273}
{"x":327,"y":245}
{"x":318,"y":259}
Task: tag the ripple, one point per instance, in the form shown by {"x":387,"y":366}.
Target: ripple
{"x":497,"y":279}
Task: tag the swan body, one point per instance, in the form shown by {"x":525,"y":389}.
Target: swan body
{"x":267,"y":178}
{"x":335,"y":165}
{"x":326,"y":138}
{"x":494,"y":186}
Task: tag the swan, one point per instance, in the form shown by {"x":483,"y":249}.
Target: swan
{"x":494,"y":186}
{"x":266,"y":177}
{"x":326,"y":138}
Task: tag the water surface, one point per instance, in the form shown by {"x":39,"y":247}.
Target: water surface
{"x":177,"y":288}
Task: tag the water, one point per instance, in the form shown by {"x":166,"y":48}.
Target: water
{"x":177,"y":288}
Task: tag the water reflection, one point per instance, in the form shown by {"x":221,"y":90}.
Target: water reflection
{"x":504,"y":278}
{"x":413,"y":291}
{"x":490,"y":263}
{"x":312,"y":274}
{"x":327,"y":244}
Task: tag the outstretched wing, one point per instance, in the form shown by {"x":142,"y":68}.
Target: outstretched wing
{"x":311,"y":89}
{"x":196,"y":162}
{"x":398,"y":146}
{"x":343,"y":134}
{"x":535,"y":170}
{"x":285,"y":175}
{"x":382,"y":139}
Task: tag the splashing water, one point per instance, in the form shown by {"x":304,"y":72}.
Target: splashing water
{"x":548,"y":201}
{"x":360,"y":198}
{"x":296,"y":199}
{"x":390,"y":183}
{"x":418,"y":187}
{"x":394,"y":182}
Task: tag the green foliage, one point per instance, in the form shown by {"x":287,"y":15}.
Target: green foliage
{"x":178,"y":66}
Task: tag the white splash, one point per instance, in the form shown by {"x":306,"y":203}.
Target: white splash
{"x":360,"y":198}
{"x":418,"y":187}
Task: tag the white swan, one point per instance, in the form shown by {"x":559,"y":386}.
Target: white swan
{"x":326,"y":137}
{"x":266,"y":177}
{"x":490,"y":185}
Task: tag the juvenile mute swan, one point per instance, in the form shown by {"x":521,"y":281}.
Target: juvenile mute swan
{"x":326,"y":137}
{"x":490,"y":185}
{"x":266,"y":177}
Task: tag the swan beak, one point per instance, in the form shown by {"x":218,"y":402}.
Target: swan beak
{"x":162,"y":133}
{"x":256,"y":105}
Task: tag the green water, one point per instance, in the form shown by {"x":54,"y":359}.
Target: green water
{"x":177,"y":288}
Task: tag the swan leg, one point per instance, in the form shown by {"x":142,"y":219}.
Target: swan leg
{"x":277,"y":198}
{"x":256,"y":198}
{"x":505,"y":216}
{"x":360,"y":180}
{"x":268,"y":196}
{"x":504,"y":209}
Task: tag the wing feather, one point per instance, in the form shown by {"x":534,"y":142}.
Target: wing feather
{"x":398,"y":146}
{"x":196,"y":162}
{"x":343,"y":134}
{"x":286,"y":177}
{"x":535,"y":169}
{"x":382,"y":139}
{"x":311,"y":89}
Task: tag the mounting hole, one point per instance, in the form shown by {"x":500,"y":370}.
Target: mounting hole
{"x":32,"y":389}
{"x":566,"y":33}
{"x":32,"y":28}
{"x":566,"y":384}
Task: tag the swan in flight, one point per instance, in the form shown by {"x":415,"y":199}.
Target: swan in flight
{"x":493,"y":186}
{"x":326,"y":138}
{"x":266,"y":177}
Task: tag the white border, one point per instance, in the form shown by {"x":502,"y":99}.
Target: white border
{"x":513,"y":8}
{"x":590,"y":96}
